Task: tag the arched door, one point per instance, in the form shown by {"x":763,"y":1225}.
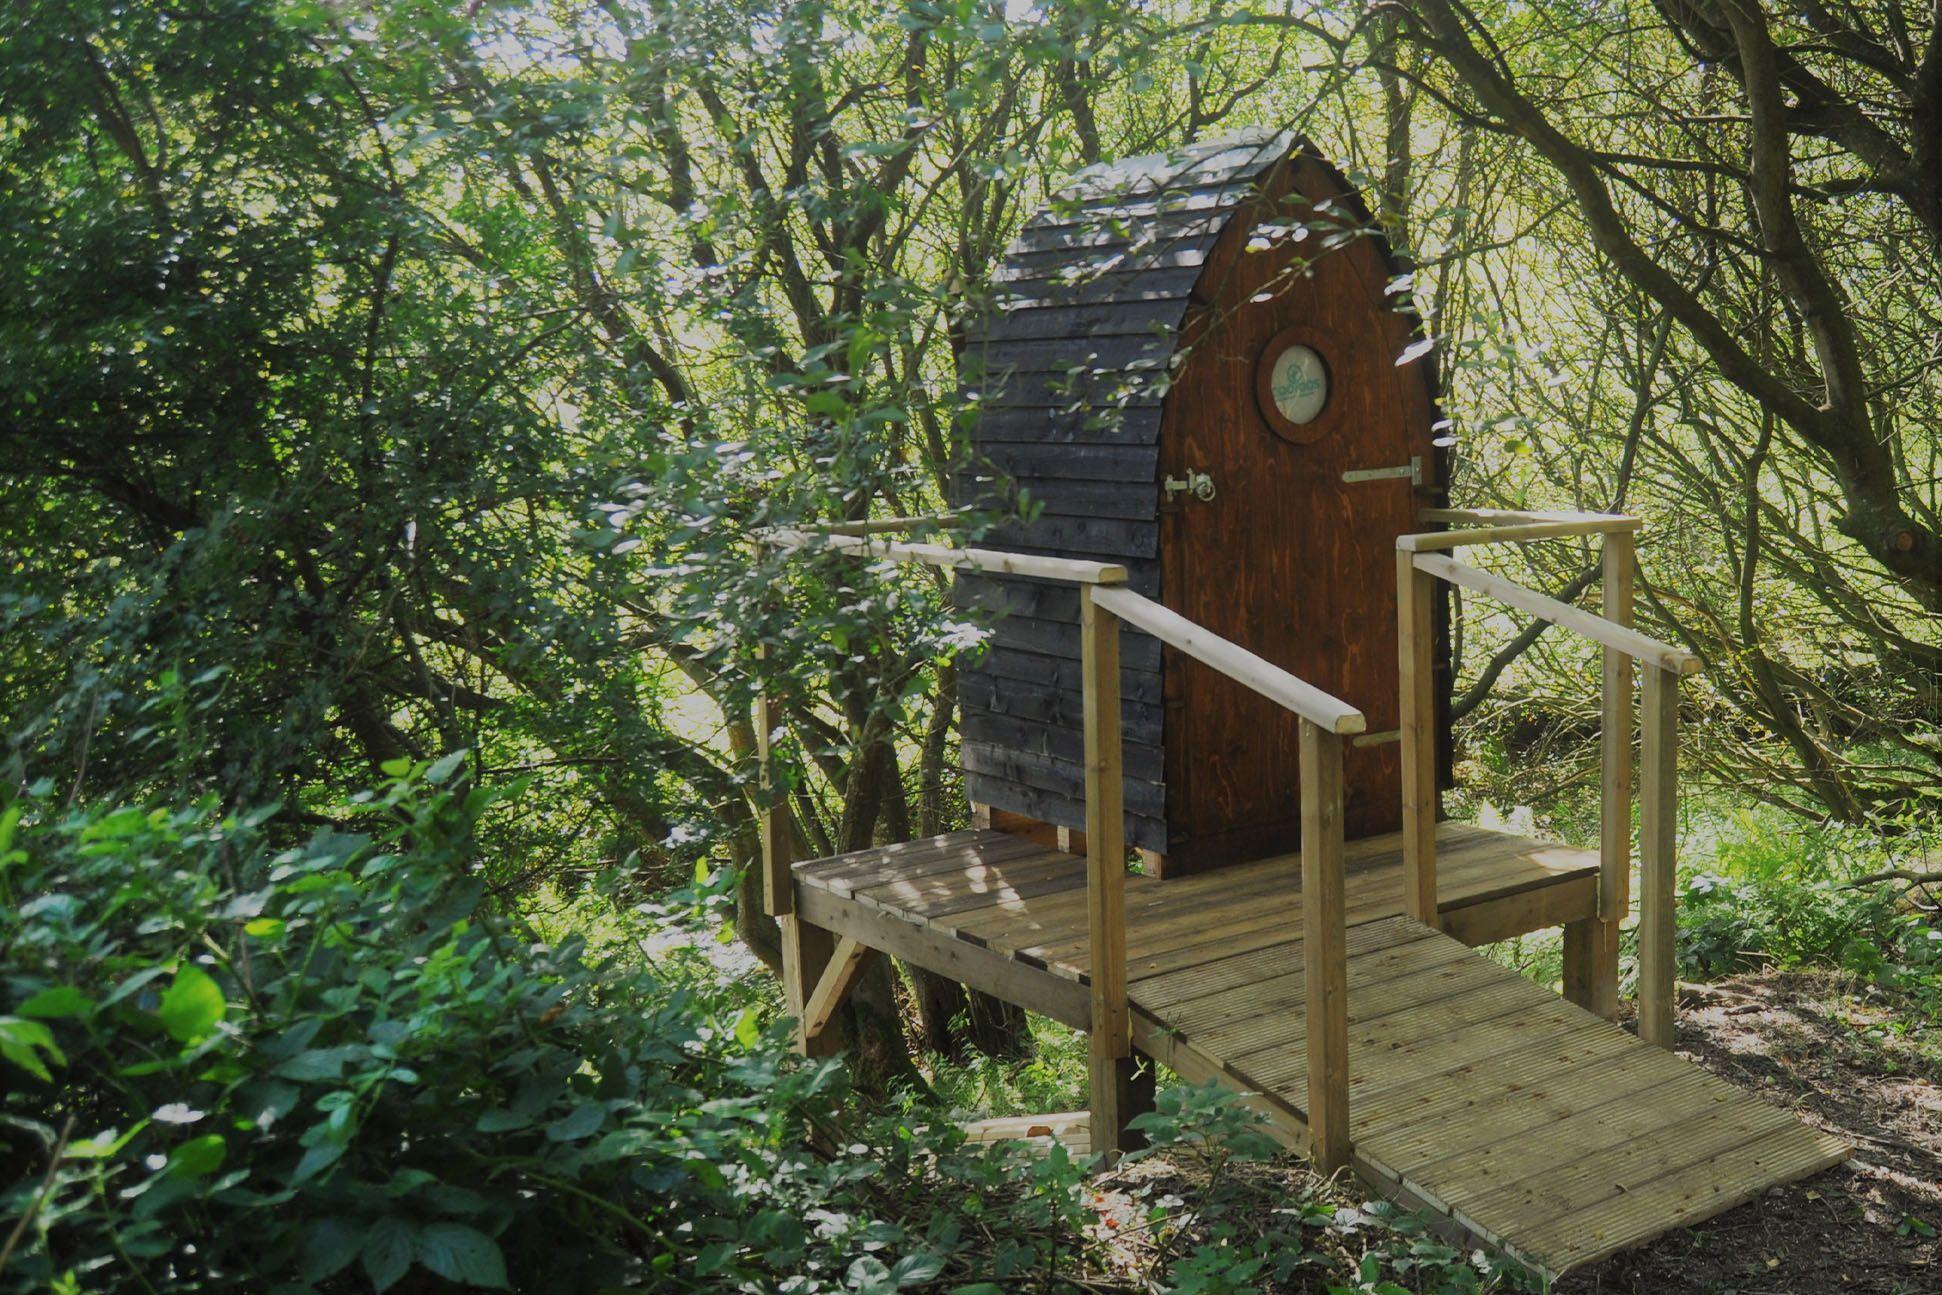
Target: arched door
{"x":1292,"y":404}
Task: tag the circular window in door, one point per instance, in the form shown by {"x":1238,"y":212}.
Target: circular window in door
{"x":1291,"y":385}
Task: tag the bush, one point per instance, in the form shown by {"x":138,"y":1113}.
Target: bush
{"x":334,"y":1066}
{"x":235,"y":1063}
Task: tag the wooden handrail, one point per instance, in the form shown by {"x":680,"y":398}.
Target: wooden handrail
{"x":1234,"y":661}
{"x":1664,"y":666}
{"x":991,"y":561}
{"x":1638,"y":646}
{"x":1325,"y":720}
{"x":1103,"y":603}
{"x":1501,"y":527}
{"x":876,"y":525}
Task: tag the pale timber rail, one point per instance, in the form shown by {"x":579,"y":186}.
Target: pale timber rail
{"x":1342,"y":975}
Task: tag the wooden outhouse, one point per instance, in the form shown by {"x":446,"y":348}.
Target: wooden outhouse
{"x":1201,"y":365}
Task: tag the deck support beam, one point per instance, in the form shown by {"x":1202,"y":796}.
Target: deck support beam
{"x":846,"y":963}
{"x":1325,"y":949}
{"x":1110,"y":1063}
{"x":1415,"y":640}
{"x":1658,"y":849}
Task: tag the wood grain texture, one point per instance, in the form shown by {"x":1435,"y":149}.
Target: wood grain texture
{"x":1524,"y":1121}
{"x":1286,"y":560}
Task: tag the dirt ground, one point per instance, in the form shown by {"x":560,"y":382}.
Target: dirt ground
{"x":1867,"y":1226}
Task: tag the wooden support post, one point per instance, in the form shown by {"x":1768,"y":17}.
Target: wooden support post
{"x":1600,"y":977}
{"x":845,"y":965}
{"x":806,"y":949}
{"x":1325,"y":948}
{"x":1418,"y":724}
{"x":1110,"y":1057}
{"x":778,"y":846}
{"x":1658,"y":845}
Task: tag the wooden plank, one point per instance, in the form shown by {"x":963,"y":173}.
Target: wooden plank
{"x":1065,"y":1001}
{"x":1147,"y":799}
{"x":1415,"y":649}
{"x":847,"y":873}
{"x":1110,"y":1042}
{"x":807,"y":947}
{"x":1325,"y":947}
{"x":1709,"y":1188}
{"x":1013,"y":882}
{"x":1020,"y":665}
{"x":1658,"y":851}
{"x":777,"y":839}
{"x":1154,"y":1038}
{"x":1686,"y":1148}
{"x":1133,"y":318}
{"x":1143,"y":763}
{"x":1458,"y":1087}
{"x":1615,"y":737}
{"x":1222,"y":968}
{"x":1617,"y":522}
{"x":1543,"y":1151}
{"x":1546,"y":1094}
{"x":1563,"y":526}
{"x":1049,"y":806}
{"x":1234,"y":661}
{"x":1557,"y":903}
{"x":838,"y":977}
{"x":1647,"y":650}
{"x":956,"y":559}
{"x":1093,"y":536}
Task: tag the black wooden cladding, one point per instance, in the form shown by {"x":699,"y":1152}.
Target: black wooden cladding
{"x":1065,"y":375}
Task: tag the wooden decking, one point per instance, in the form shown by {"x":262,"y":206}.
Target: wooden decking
{"x":1532,"y":1123}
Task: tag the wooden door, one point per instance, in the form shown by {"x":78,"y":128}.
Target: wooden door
{"x":1286,"y":558}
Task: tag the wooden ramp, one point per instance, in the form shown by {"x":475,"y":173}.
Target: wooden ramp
{"x":1532,"y":1123}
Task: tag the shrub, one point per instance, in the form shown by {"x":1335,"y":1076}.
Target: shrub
{"x":335,"y":1066}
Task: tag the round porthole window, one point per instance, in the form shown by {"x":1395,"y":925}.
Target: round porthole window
{"x":1292,"y":387}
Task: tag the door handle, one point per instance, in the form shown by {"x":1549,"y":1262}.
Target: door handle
{"x":1197,"y":484}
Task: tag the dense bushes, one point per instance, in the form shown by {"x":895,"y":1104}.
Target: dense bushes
{"x":332,"y":1066}
{"x":233,"y":1064}
{"x":1786,"y":894}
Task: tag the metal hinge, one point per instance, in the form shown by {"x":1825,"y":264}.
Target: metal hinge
{"x":1414,"y":472}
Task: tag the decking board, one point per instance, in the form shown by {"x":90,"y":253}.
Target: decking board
{"x":1529,"y":1122}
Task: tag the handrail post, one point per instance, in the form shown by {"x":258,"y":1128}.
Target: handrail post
{"x":1658,"y":848}
{"x":1615,"y":787}
{"x":1110,"y":1043}
{"x":1417,"y":721}
{"x":1324,"y":948}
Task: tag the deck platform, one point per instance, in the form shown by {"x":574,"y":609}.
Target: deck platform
{"x":1535,"y":1125}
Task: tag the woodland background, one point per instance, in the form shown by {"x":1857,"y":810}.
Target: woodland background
{"x":388,"y":391}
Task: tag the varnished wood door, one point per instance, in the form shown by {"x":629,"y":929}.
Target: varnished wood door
{"x":1286,"y":559}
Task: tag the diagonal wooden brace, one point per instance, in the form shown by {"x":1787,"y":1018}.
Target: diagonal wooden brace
{"x":845,"y":965}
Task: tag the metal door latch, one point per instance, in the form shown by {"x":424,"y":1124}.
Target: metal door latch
{"x":1414,"y":472}
{"x":1197,"y":484}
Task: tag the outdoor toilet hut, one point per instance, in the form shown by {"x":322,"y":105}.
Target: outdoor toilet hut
{"x":1201,"y":365}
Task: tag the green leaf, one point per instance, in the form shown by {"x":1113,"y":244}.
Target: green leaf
{"x":915,"y":1270}
{"x":329,"y":1245}
{"x":582,"y":1121}
{"x":198,"y":1156}
{"x":264,"y":928}
{"x":59,"y":1001}
{"x":748,"y":1028}
{"x":388,"y":1251}
{"x":19,"y":1039}
{"x":192,"y":1005}
{"x":462,"y":1254}
{"x":445,"y":766}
